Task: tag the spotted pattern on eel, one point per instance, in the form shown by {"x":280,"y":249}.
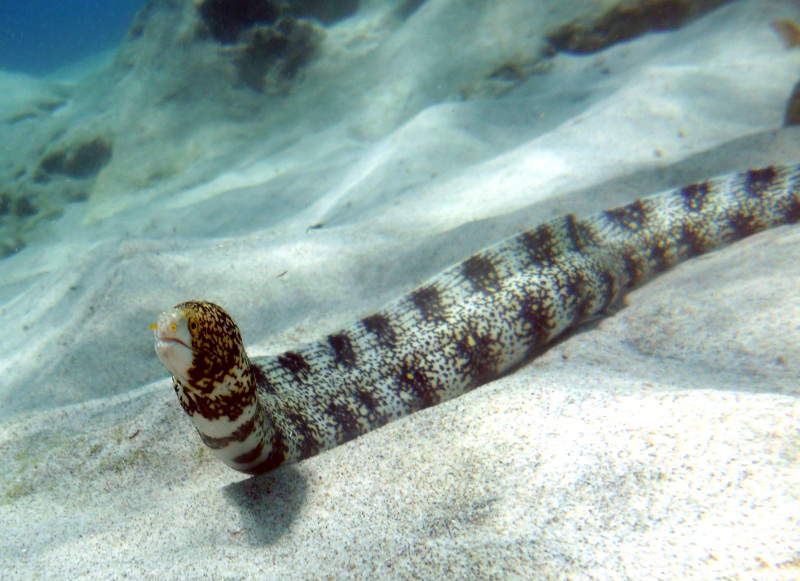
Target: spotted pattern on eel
{"x":469,"y":324}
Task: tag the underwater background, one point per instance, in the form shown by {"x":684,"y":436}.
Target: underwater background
{"x":302,"y":172}
{"x":41,"y":36}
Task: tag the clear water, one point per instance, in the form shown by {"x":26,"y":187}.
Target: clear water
{"x":41,"y":36}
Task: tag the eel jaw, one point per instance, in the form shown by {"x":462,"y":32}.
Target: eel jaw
{"x":174,"y":344}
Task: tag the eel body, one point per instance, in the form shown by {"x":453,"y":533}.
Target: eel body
{"x":469,"y":324}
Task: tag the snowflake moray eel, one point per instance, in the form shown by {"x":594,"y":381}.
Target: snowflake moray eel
{"x":463,"y":327}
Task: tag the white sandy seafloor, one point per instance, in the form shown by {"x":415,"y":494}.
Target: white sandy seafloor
{"x":662,"y":442}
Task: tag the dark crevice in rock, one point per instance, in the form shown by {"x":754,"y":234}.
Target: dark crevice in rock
{"x":10,"y":248}
{"x":626,"y":22}
{"x":274,"y":55}
{"x":227,"y":19}
{"x":269,"y":42}
{"x":23,"y":207}
{"x":79,"y":161}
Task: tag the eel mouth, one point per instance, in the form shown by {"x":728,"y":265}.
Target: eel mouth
{"x":166,"y":340}
{"x":176,"y":356}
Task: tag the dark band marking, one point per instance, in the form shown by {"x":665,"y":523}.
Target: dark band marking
{"x":411,"y":379}
{"x":743,"y":225}
{"x":791,"y":209}
{"x":347,"y":424}
{"x":481,"y":273}
{"x":250,"y":456}
{"x":240,"y":435}
{"x":305,"y":441}
{"x":295,"y":363}
{"x":690,"y":243}
{"x":206,"y":372}
{"x":694,"y":196}
{"x":549,"y":242}
{"x":633,"y":265}
{"x":370,"y":406}
{"x":343,"y":353}
{"x":541,"y":245}
{"x":579,"y":292}
{"x":578,"y":234}
{"x":381,"y":327}
{"x":608,"y":291}
{"x":260,"y":377}
{"x":428,"y":301}
{"x":481,"y":355}
{"x":536,"y":321}
{"x":660,"y":258}
{"x":230,"y":406}
{"x":632,"y":217}
{"x":758,"y":181}
{"x":368,"y":400}
{"x":276,"y":456}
